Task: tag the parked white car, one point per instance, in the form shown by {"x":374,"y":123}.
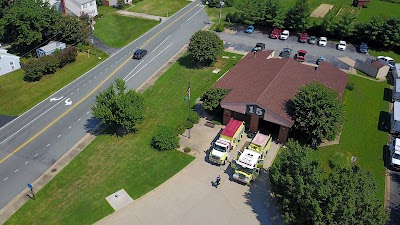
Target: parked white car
{"x":322,"y":41}
{"x":386,"y":60}
{"x":341,"y":46}
{"x":284,"y":35}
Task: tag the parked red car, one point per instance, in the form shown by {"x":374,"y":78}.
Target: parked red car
{"x":301,"y":55}
{"x":303,"y":37}
{"x":275,"y":33}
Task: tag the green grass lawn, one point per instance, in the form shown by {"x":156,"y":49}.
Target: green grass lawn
{"x":117,"y":31}
{"x":17,"y":95}
{"x":360,"y":136}
{"x":213,"y":13}
{"x":159,"y":7}
{"x":77,"y":194}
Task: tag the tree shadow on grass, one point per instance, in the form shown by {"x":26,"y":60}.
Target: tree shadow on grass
{"x":387,"y":95}
{"x":262,"y":202}
{"x":188,"y":62}
{"x":384,"y":121}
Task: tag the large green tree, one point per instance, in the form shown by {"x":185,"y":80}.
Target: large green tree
{"x":317,"y":112}
{"x":344,"y":26}
{"x":119,"y":107}
{"x":297,"y":182}
{"x":391,"y":35}
{"x":205,"y":47}
{"x":212,"y":97}
{"x":273,"y":15}
{"x":252,"y":11}
{"x":306,"y":195}
{"x":298,"y":17}
{"x":29,"y":22}
{"x":73,"y":30}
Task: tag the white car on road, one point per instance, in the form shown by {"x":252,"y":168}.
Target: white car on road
{"x":341,"y":46}
{"x":322,"y":41}
{"x":284,"y":35}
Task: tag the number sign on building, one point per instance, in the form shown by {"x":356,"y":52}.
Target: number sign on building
{"x":254,"y":109}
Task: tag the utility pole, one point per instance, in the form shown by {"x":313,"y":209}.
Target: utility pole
{"x":91,"y":28}
{"x":221,"y":3}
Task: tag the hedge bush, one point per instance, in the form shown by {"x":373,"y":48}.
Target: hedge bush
{"x":166,"y":138}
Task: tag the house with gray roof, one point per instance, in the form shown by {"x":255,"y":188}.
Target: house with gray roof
{"x":8,"y":62}
{"x":50,"y":48}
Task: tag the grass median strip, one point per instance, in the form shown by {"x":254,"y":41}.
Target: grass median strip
{"x":17,"y":95}
{"x":77,"y":194}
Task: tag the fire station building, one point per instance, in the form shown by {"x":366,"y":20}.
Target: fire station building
{"x":261,"y":86}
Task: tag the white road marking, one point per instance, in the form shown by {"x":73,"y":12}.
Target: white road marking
{"x":95,"y":76}
{"x":77,"y":89}
{"x":90,"y":80}
{"x":48,"y":145}
{"x":35,"y":155}
{"x":83,"y":85}
{"x":106,"y":68}
{"x":59,"y":135}
{"x":87,"y":112}
{"x":72,"y":93}
{"x":125,"y":55}
{"x":5,"y":178}
{"x":69,"y":127}
{"x":31,"y":122}
{"x":16,"y":170}
{"x":79,"y":119}
{"x":194,"y":14}
{"x":148,"y":62}
{"x":26,"y":162}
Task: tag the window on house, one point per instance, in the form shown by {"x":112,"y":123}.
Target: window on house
{"x":12,"y":65}
{"x":85,"y":6}
{"x":91,"y":4}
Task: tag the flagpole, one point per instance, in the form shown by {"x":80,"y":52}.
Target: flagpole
{"x":189,"y":108}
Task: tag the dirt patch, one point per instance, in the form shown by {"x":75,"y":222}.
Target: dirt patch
{"x":230,"y":31}
{"x":321,"y":11}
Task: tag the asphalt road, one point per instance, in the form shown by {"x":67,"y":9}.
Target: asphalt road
{"x":241,"y":41}
{"x":394,"y":198}
{"x":31,"y":143}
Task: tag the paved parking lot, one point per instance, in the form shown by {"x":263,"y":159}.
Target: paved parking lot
{"x":241,"y":41}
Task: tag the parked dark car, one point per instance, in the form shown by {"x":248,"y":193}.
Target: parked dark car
{"x":363,"y":47}
{"x":139,"y":54}
{"x":303,"y":37}
{"x":260,"y":46}
{"x":285,"y":53}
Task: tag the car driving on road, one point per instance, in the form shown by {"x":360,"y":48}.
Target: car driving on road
{"x":139,"y":54}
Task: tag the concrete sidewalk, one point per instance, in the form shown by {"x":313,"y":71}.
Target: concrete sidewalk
{"x":141,"y":15}
{"x":190,"y":198}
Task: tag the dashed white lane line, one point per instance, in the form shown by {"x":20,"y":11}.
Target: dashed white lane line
{"x":79,"y":119}
{"x":26,"y":162}
{"x":83,"y":85}
{"x":35,"y":155}
{"x":87,"y":112}
{"x":5,"y":178}
{"x":72,"y":93}
{"x":59,"y":135}
{"x":77,"y":89}
{"x":90,"y":80}
{"x":48,"y":145}
{"x":69,"y":127}
{"x":106,"y":68}
{"x":95,"y":76}
{"x":16,"y":170}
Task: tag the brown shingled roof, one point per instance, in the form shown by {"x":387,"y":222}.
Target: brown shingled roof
{"x":272,"y":82}
{"x":377,"y":64}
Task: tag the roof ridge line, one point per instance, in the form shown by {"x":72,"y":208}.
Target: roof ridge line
{"x":272,"y":80}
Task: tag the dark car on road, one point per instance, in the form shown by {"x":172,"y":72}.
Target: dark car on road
{"x":303,"y":37}
{"x":363,"y":47}
{"x":260,"y":46}
{"x":139,"y":54}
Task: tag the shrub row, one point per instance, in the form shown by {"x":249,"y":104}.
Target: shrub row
{"x":37,"y":68}
{"x":392,"y":1}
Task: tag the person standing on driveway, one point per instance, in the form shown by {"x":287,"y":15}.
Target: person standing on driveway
{"x":217,"y":181}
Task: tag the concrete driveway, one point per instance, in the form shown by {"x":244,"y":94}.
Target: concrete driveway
{"x":190,"y":198}
{"x":241,"y":41}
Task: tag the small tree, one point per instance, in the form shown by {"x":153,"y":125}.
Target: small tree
{"x":298,"y":17}
{"x":120,"y":4}
{"x":317,"y":113}
{"x":212,"y":98}
{"x":119,"y":108}
{"x":166,"y":138}
{"x":205,"y":47}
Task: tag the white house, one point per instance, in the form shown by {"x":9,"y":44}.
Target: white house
{"x":75,"y":7}
{"x":50,"y":48}
{"x":8,"y":62}
{"x":114,"y":2}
